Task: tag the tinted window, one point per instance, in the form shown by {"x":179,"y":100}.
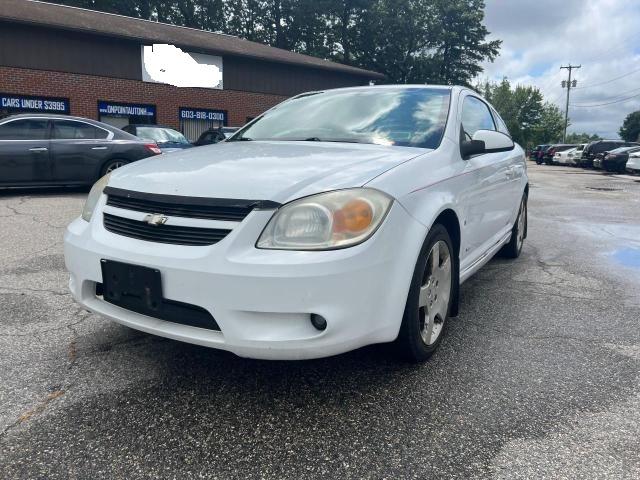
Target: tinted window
{"x":475,"y":116}
{"x":409,"y":117}
{"x":27,"y":129}
{"x":70,"y":130}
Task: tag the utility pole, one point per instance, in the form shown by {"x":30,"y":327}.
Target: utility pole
{"x":568,"y":86}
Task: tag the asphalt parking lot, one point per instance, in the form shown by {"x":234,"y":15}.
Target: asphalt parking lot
{"x":538,"y":376}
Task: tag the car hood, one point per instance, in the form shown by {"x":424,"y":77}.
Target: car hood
{"x":258,"y":170}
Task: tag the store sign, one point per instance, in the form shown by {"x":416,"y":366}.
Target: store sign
{"x":203,"y":114}
{"x":126,"y":109}
{"x":34,"y":104}
{"x":166,"y":63}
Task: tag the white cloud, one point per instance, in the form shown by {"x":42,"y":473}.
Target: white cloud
{"x":601,"y":35}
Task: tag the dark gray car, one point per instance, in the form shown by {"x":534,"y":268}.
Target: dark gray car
{"x":43,"y":150}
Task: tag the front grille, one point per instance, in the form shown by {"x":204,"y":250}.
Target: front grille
{"x":173,"y":234}
{"x":225,"y":209}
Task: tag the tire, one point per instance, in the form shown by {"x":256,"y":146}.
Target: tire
{"x":111,"y":165}
{"x":518,"y":232}
{"x":419,"y":337}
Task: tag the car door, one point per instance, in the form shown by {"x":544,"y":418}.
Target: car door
{"x":486,"y":202}
{"x":78,"y":150}
{"x":24,"y":152}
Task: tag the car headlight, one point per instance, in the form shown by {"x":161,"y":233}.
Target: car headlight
{"x":94,"y":197}
{"x":326,"y":221}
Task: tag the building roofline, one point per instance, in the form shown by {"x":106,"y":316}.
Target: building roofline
{"x":34,"y":12}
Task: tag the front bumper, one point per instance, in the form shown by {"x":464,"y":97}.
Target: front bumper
{"x":261,"y":299}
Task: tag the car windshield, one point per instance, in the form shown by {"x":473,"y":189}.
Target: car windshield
{"x":160,"y":135}
{"x":410,"y":117}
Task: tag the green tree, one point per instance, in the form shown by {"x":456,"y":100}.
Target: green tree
{"x":582,"y":138}
{"x":521,"y":108}
{"x":630,"y":129}
{"x":551,"y":125}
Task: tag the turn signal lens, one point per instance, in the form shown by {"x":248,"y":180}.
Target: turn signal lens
{"x":354,"y":217}
{"x":337,"y":219}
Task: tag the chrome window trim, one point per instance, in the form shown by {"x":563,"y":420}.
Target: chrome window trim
{"x":110,"y":134}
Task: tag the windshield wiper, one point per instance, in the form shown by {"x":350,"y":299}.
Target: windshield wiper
{"x":241,"y":139}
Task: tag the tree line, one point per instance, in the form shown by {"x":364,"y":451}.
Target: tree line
{"x":410,"y":41}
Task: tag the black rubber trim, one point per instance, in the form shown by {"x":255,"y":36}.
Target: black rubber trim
{"x":180,"y":200}
{"x":172,"y":311}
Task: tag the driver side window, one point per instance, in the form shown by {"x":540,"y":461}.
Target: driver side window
{"x":475,"y":116}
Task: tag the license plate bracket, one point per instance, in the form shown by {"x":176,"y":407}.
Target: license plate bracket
{"x":133,"y":287}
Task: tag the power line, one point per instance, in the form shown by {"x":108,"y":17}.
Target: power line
{"x":608,"y":103}
{"x":617,"y":97}
{"x":609,"y":81}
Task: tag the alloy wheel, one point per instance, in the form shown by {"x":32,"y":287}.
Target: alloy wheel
{"x":435,"y":291}
{"x":112,"y":166}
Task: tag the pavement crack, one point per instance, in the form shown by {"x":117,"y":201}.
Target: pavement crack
{"x":37,"y":410}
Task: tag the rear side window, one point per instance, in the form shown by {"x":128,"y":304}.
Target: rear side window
{"x":502,"y":127}
{"x":70,"y":130}
{"x":27,"y":129}
{"x":475,"y":116}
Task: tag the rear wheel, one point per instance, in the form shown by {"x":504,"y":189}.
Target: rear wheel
{"x":429,"y":299}
{"x":518,"y":232}
{"x":111,"y":165}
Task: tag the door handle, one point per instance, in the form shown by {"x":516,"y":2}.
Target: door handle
{"x":38,"y":149}
{"x":98,"y":148}
{"x":511,"y":172}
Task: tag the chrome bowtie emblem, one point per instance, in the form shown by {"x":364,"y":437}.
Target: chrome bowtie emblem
{"x":156,"y":219}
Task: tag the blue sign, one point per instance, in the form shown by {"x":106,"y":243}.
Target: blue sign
{"x":203,"y":114}
{"x":126,"y":109}
{"x":34,"y":104}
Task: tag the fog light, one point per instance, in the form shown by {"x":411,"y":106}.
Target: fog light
{"x":318,"y":321}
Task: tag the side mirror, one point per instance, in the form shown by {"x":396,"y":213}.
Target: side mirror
{"x":486,"y":141}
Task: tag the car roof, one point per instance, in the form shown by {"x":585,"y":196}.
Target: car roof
{"x":52,"y":116}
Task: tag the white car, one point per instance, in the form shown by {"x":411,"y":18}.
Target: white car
{"x":337,"y":219}
{"x":569,"y":157}
{"x":633,"y":163}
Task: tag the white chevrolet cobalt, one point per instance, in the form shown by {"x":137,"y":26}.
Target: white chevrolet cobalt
{"x":337,"y":219}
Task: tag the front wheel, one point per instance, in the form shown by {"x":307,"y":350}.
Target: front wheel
{"x":429,"y":299}
{"x":518,"y":232}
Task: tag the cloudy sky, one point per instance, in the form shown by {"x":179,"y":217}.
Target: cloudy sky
{"x":602,"y":35}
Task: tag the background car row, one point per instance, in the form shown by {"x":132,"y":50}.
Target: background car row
{"x":48,"y":150}
{"x":610,"y":155}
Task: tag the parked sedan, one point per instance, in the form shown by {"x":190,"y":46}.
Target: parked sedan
{"x":44,"y":150}
{"x":569,"y":157}
{"x":633,"y":164}
{"x":616,"y":160}
{"x":168,"y":139}
{"x":338,"y":219}
{"x":550,"y":152}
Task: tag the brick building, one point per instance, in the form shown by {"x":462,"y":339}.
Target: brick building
{"x":60,"y":59}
